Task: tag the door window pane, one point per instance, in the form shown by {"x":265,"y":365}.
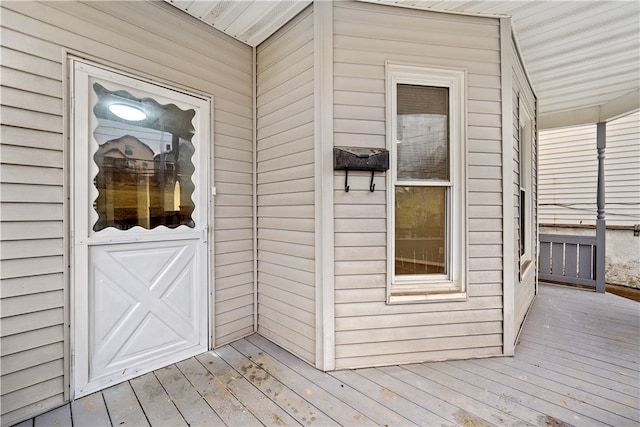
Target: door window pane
{"x":144,"y":162}
{"x":422,"y":133}
{"x":420,"y":230}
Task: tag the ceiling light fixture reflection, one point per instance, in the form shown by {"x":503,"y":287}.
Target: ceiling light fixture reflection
{"x":128,"y":112}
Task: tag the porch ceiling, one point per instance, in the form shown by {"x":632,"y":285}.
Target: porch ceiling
{"x":583,"y":57}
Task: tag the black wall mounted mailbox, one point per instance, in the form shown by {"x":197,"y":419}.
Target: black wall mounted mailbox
{"x":360,"y":159}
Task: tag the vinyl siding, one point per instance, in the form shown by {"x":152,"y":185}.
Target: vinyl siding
{"x":524,"y":281}
{"x":368,"y":331}
{"x":622,"y":174}
{"x":285,"y":187}
{"x":34,"y":174}
{"x":569,"y":174}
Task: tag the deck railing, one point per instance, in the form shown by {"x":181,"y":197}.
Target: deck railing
{"x":568,"y":259}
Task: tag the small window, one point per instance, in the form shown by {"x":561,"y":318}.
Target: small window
{"x":525,"y":200}
{"x":427,"y":239}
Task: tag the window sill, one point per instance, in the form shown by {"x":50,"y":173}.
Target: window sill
{"x":411,"y":297}
{"x":526,"y":271}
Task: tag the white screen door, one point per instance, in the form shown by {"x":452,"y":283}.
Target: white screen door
{"x":140,"y":215}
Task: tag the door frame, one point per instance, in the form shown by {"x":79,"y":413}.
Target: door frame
{"x":78,"y":322}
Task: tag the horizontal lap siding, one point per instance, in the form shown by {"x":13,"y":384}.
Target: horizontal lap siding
{"x":33,"y":228}
{"x":569,"y":171}
{"x":568,"y":175}
{"x":285,"y":178}
{"x":524,"y":289}
{"x":622,"y":174}
{"x":368,"y":331}
{"x":32,"y":253}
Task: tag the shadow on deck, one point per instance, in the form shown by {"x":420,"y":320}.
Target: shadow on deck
{"x":576,"y":363}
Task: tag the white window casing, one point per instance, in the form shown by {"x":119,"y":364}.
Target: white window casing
{"x":525,"y":183}
{"x":413,"y":288}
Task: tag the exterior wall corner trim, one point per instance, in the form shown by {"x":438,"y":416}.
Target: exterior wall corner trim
{"x":508,"y":245}
{"x":323,"y":146}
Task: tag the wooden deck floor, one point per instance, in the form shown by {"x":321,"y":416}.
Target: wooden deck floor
{"x":576,"y":364}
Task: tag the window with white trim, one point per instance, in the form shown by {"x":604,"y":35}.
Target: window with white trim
{"x":525,"y":200}
{"x":426,"y":122}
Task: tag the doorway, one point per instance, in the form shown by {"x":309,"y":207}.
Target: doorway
{"x":140,"y":214}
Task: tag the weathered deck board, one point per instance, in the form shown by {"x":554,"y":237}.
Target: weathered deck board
{"x":413,"y":389}
{"x":551,"y":408}
{"x":58,"y":417}
{"x":354,"y":398}
{"x":565,"y":376}
{"x":340,"y":412}
{"x":123,"y":406}
{"x":576,"y":363}
{"x":458,"y":381}
{"x":463,"y":406}
{"x":190,"y":403}
{"x":561,"y":364}
{"x":293,"y":404}
{"x":155,"y":402}
{"x":619,"y":356}
{"x":383,"y":396}
{"x":266,"y":411}
{"x":214,"y":391}
{"x":548,"y":390}
{"x":584,"y":363}
{"x":90,"y":411}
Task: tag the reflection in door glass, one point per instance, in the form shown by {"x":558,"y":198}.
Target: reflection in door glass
{"x":144,"y":159}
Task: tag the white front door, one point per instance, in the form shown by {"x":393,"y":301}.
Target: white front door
{"x":140,"y":215}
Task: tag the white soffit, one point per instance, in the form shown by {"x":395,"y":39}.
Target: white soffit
{"x":583,"y":57}
{"x":250,"y":21}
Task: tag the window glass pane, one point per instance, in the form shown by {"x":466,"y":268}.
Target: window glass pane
{"x":420,"y":230}
{"x":144,"y":162}
{"x":422,"y":133}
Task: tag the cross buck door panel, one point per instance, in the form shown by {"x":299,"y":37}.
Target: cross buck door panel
{"x":140,"y":215}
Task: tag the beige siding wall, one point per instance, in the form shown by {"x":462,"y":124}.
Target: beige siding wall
{"x":569,"y":174}
{"x":622,"y":174}
{"x":151,"y":42}
{"x":524,"y":280}
{"x":285,"y":186}
{"x":368,"y":331}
